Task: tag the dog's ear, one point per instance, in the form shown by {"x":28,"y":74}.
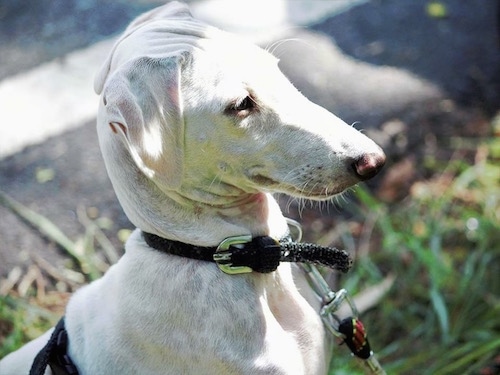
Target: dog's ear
{"x":142,"y":106}
{"x":172,"y":10}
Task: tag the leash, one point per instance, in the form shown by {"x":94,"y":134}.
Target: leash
{"x":349,"y":330}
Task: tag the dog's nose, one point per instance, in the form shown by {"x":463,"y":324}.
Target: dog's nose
{"x":369,"y":165}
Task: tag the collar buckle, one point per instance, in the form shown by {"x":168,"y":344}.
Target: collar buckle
{"x":222,"y":255}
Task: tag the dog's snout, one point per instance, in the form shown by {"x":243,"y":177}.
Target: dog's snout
{"x":368,"y":165}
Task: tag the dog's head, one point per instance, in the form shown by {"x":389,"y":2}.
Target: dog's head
{"x":199,"y":115}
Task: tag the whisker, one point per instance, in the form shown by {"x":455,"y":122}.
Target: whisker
{"x":275,"y":45}
{"x":214,"y":181}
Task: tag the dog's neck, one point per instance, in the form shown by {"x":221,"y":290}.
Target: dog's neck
{"x":257,"y":214}
{"x":171,"y":215}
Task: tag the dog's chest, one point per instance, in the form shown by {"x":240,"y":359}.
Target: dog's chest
{"x":189,"y":317}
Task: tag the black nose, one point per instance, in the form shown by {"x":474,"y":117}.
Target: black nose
{"x":369,"y":165}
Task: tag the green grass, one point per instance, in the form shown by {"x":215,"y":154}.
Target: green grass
{"x":442,"y":243}
{"x":21,"y":322}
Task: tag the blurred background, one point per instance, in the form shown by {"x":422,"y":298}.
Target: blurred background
{"x":422,"y":78}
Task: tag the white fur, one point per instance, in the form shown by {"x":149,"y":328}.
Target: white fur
{"x":186,"y":166}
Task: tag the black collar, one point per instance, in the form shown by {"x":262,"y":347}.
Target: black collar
{"x":243,"y":254}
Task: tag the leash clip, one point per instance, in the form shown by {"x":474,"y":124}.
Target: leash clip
{"x":331,"y":301}
{"x":349,"y":330}
{"x":222,"y":255}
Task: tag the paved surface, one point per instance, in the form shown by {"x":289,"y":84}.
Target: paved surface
{"x":51,"y":65}
{"x":368,"y":61}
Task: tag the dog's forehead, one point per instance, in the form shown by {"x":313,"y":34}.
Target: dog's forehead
{"x":221,"y":72}
{"x":159,"y":39}
{"x":234,"y":52}
{"x":174,"y":36}
{"x":217,"y":58}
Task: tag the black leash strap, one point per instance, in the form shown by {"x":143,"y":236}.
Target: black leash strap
{"x":55,"y":354}
{"x":314,"y":254}
{"x":261,"y":254}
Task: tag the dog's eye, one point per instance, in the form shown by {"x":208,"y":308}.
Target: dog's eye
{"x":242,"y":107}
{"x":245,"y":104}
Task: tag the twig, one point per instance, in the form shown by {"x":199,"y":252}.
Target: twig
{"x":46,"y":228}
{"x":332,"y":236}
{"x":28,"y":279}
{"x":40,"y":286}
{"x":56,"y":274}
{"x":44,"y":225}
{"x":371,"y":296}
{"x":366,"y":234}
{"x":8,"y":284}
{"x":106,"y":245}
{"x":20,"y":303}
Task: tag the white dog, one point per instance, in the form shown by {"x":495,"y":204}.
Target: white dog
{"x":197,"y":128}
